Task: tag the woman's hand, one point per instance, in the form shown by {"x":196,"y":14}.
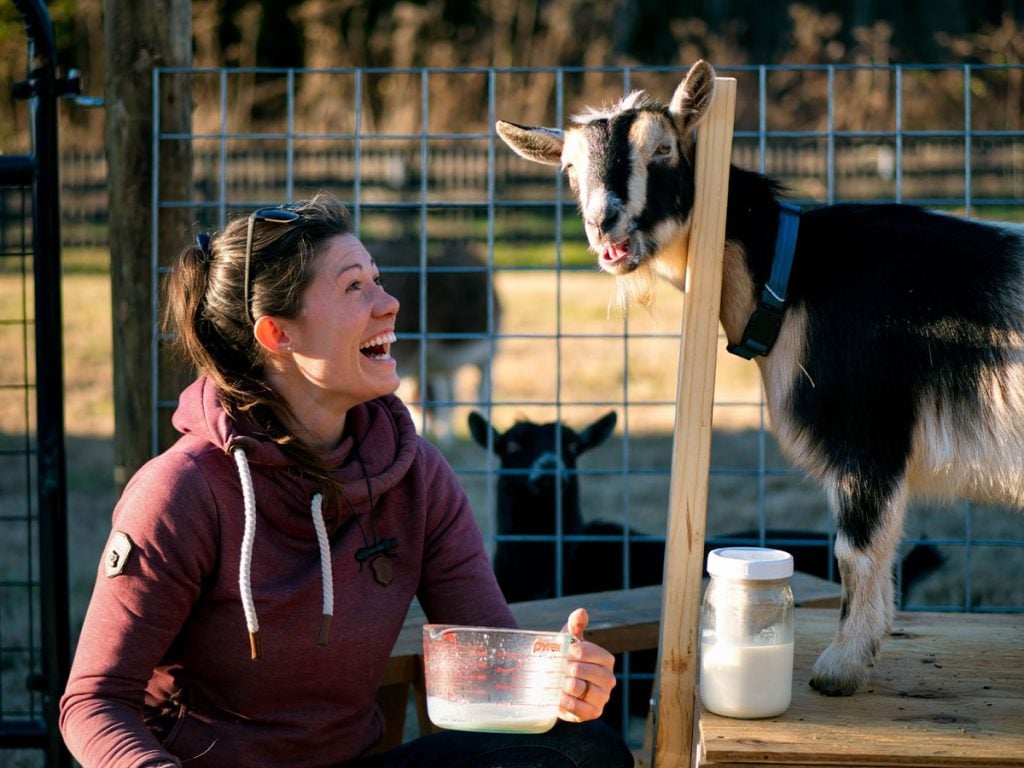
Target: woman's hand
{"x":590,"y":677}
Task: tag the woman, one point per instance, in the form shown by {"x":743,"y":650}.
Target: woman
{"x":299,"y":491}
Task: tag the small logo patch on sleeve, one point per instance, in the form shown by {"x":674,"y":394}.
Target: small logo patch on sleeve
{"x":116,"y":556}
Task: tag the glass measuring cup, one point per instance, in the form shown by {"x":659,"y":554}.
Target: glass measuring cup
{"x":494,"y":680}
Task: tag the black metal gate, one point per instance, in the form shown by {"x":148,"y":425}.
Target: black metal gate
{"x":34,"y":623}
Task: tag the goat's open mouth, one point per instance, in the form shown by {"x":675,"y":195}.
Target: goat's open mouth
{"x":379,"y":347}
{"x":616,"y":257}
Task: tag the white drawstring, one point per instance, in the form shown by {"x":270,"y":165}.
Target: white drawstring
{"x":326,"y":577}
{"x":245,"y":562}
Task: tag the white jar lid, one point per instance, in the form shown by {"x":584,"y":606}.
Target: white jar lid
{"x":753,"y":563}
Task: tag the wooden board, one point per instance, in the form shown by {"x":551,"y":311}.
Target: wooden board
{"x":946,"y":691}
{"x":621,"y":620}
{"x":691,"y":445}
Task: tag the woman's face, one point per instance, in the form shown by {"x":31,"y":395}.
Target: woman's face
{"x":341,"y":339}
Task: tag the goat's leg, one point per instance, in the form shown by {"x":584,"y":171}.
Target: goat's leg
{"x":870,"y":520}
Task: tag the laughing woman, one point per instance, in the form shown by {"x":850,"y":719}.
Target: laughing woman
{"x":259,"y":571}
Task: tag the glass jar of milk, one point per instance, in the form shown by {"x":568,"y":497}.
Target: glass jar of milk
{"x":746,"y":646}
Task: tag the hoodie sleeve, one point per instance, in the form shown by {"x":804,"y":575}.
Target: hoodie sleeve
{"x":457,"y":585}
{"x":162,"y":546}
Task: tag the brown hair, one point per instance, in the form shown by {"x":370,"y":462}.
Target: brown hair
{"x":205,"y":308}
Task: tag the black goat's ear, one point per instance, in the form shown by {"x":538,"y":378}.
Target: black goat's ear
{"x":598,"y":432}
{"x":479,"y":429}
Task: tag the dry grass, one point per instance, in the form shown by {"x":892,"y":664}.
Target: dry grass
{"x":89,"y":418}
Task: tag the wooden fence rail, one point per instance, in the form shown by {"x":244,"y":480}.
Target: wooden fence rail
{"x":929,"y":169}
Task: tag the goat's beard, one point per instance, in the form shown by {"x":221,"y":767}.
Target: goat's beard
{"x":659,"y":259}
{"x":637,"y":286}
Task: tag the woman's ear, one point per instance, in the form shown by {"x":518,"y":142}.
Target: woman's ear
{"x":271,"y":335}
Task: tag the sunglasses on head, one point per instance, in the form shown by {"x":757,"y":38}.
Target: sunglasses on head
{"x":274,"y":216}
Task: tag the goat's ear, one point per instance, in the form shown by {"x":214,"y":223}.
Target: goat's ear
{"x":692,"y":98}
{"x":479,"y":429}
{"x":541,"y":145}
{"x":598,"y":432}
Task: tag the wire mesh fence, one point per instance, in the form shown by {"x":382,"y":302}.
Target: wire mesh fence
{"x":535,"y":335}
{"x":34,"y":633}
{"x":20,"y":639}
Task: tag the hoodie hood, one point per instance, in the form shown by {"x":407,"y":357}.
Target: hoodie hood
{"x":386,"y":457}
{"x":366,"y":468}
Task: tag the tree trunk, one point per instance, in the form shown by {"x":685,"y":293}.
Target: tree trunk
{"x":141,"y":35}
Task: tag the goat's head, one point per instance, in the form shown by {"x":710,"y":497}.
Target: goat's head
{"x":631,"y":169}
{"x":538,"y":457}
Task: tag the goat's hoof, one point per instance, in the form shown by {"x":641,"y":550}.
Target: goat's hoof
{"x":828,"y":687}
{"x":834,"y":675}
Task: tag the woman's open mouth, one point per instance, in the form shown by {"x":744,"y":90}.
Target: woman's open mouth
{"x":379,"y":347}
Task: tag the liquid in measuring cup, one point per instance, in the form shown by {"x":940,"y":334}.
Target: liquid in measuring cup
{"x":490,"y":717}
{"x":494,"y":679}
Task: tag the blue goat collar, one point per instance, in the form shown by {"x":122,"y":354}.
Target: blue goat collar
{"x":763,"y":326}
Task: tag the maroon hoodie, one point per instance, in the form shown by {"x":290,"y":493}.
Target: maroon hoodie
{"x":163,"y":671}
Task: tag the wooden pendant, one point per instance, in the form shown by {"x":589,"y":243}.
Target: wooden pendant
{"x":383,"y":570}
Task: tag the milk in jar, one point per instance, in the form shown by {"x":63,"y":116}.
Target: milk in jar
{"x":746,"y":649}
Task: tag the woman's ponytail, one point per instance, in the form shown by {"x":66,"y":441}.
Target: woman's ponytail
{"x":185,"y":299}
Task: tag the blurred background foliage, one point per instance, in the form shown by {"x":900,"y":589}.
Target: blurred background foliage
{"x":570,"y":33}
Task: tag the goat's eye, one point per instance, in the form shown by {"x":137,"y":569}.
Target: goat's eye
{"x":663,"y":149}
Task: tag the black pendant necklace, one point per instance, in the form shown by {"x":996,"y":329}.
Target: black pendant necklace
{"x":379,"y":552}
{"x":379,"y":556}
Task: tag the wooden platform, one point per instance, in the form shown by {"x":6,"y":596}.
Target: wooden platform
{"x":947,"y":691}
{"x":619,"y":620}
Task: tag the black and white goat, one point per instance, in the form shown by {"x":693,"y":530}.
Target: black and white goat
{"x":892,"y":352}
{"x":462,"y":316}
